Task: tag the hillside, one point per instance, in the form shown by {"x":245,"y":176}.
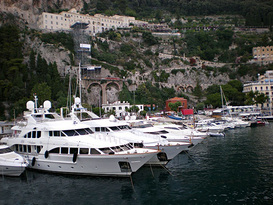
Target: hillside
{"x":189,"y":63}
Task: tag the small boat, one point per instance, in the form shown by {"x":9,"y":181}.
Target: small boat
{"x":174,"y":117}
{"x":217,"y":134}
{"x":11,"y":163}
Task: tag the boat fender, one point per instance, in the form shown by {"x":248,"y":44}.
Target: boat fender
{"x":46,"y":154}
{"x":33,"y":161}
{"x":75,"y":155}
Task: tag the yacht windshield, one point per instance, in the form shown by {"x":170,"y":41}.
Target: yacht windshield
{"x":85,"y":131}
{"x":124,"y":127}
{"x":5,"y":150}
{"x":114,"y":128}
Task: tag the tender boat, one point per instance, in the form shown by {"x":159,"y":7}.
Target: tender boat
{"x":53,"y":144}
{"x":11,"y":163}
{"x":121,"y":130}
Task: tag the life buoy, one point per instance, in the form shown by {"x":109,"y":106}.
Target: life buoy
{"x":75,"y":155}
{"x":46,"y":154}
{"x":33,"y":161}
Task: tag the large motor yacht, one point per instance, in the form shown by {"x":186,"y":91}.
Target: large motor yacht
{"x":53,"y":144}
{"x":121,"y":130}
{"x":11,"y":163}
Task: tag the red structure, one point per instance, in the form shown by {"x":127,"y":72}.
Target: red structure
{"x":183,"y":101}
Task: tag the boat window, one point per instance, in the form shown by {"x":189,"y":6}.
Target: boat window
{"x":105,"y":150}
{"x":20,"y":148}
{"x":114,"y":128}
{"x":29,"y":148}
{"x":172,"y":128}
{"x":5,"y":150}
{"x":24,"y":148}
{"x":16,"y":147}
{"x":130,"y":146}
{"x":39,"y":148}
{"x":55,"y":150}
{"x":29,"y":135}
{"x":163,"y":132}
{"x":124,"y":127}
{"x":89,"y":130}
{"x":56,"y":133}
{"x":105,"y":129}
{"x":49,"y":116}
{"x":70,"y":132}
{"x":34,"y":134}
{"x":38,"y":134}
{"x":116,"y":149}
{"x":138,"y":145}
{"x":64,"y":150}
{"x":94,"y":151}
{"x":82,"y":131}
{"x":84,"y":150}
{"x":124,"y":147}
{"x":152,"y":133}
{"x":97,"y":129}
{"x":73,"y":150}
{"x":50,"y":133}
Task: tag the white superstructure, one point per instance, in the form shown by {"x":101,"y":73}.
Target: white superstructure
{"x":121,"y":130}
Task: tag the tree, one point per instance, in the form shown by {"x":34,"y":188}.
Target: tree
{"x":174,"y":106}
{"x":42,"y":91}
{"x":134,"y":108}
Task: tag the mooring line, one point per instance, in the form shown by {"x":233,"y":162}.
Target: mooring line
{"x":152,"y":171}
{"x":166,"y":169}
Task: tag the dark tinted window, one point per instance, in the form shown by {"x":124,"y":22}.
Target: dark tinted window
{"x":55,"y":150}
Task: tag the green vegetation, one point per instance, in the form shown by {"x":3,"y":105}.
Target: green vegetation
{"x":59,"y":38}
{"x":18,"y":82}
{"x":146,"y":94}
{"x":232,"y":91}
{"x":174,"y":106}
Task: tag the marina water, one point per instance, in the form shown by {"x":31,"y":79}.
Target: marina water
{"x":235,"y":169}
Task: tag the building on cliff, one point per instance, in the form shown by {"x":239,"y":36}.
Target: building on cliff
{"x":120,"y":108}
{"x":264,"y":84}
{"x":263,"y":55}
{"x":96,"y":24}
{"x":183,"y":101}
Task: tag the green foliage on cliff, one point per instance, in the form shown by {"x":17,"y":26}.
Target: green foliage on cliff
{"x":257,"y":13}
{"x":18,"y":81}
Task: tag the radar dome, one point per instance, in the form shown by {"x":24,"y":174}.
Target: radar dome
{"x":30,"y":105}
{"x":77,"y":101}
{"x":112,"y":118}
{"x":47,"y":104}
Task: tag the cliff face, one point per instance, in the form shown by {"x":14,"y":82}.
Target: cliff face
{"x":28,"y":11}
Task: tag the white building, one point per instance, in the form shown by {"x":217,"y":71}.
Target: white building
{"x":264,"y":84}
{"x":120,"y":108}
{"x":96,"y":24}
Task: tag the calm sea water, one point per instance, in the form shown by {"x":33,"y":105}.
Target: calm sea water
{"x":236,"y":169}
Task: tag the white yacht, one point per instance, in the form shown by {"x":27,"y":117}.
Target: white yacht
{"x":172,"y":135}
{"x":53,"y":144}
{"x":11,"y":163}
{"x":121,"y":130}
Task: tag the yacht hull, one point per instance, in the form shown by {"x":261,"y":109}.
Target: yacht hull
{"x":108,"y":165}
{"x":12,"y":170}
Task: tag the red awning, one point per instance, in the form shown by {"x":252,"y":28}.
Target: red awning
{"x":187,"y":111}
